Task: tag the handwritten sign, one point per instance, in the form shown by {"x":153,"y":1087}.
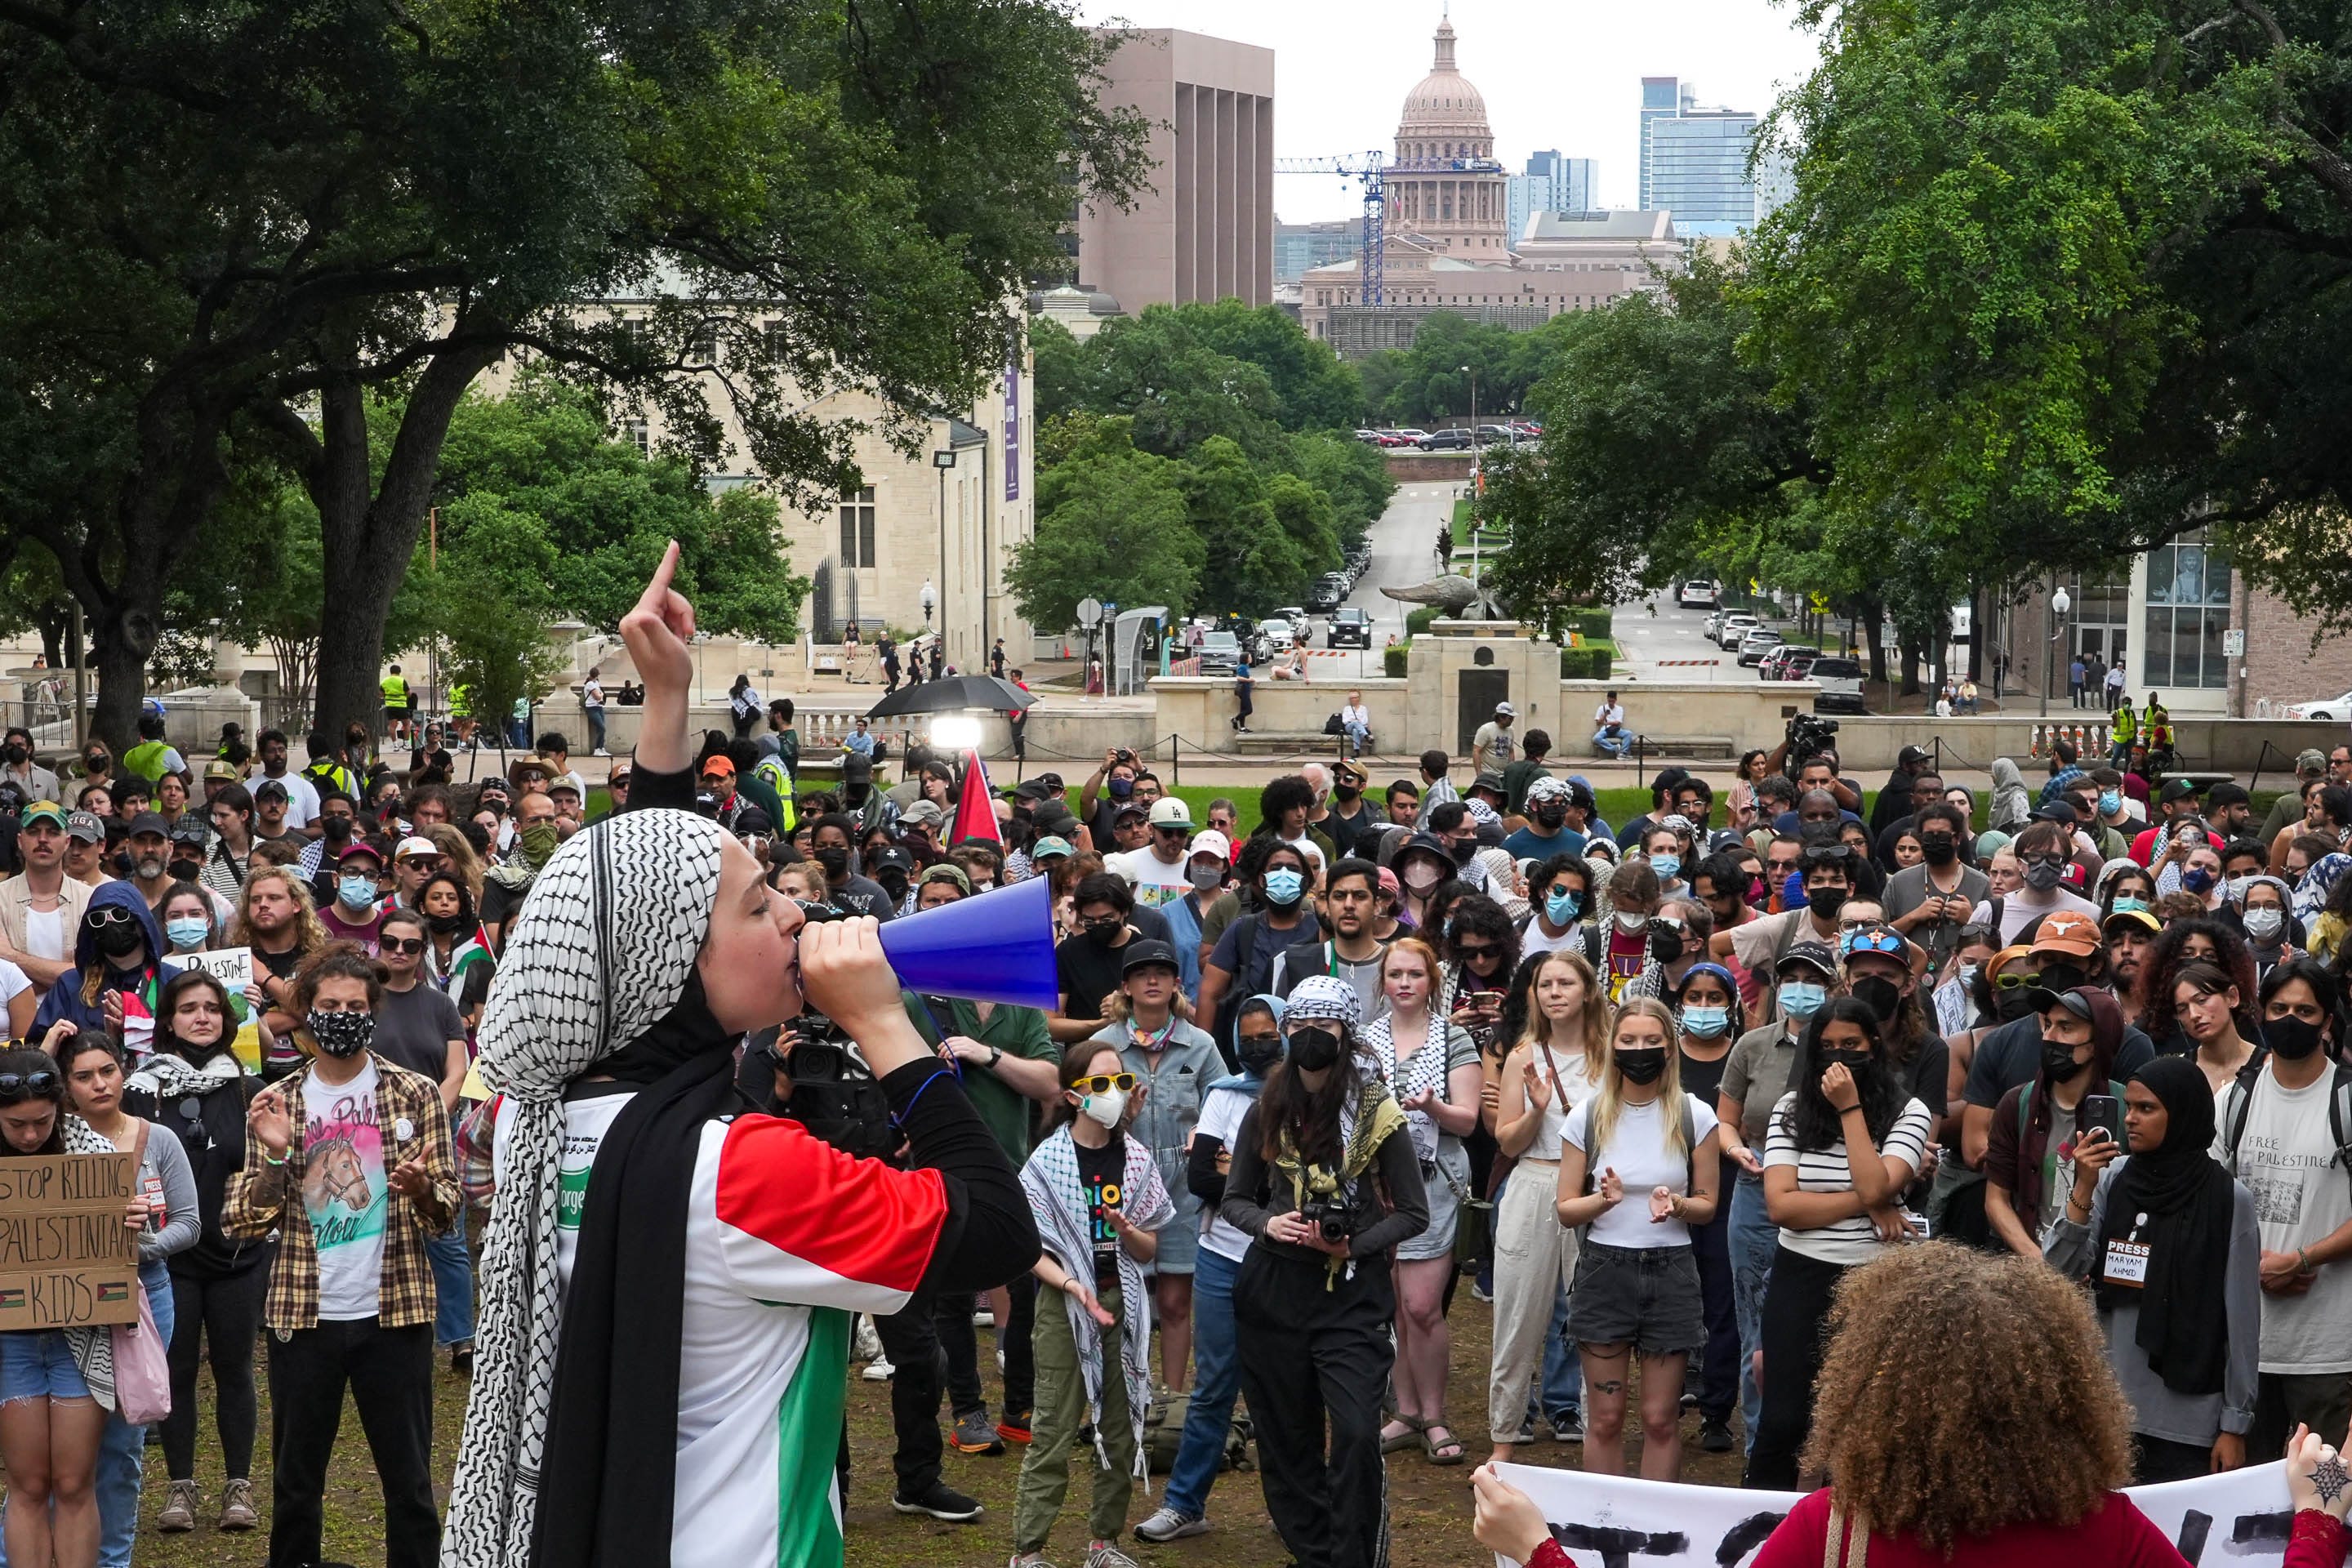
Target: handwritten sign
{"x":65,"y":1256}
{"x":233,"y":967}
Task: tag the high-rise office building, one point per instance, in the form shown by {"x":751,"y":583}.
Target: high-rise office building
{"x":1695,"y":160}
{"x":1300,"y":246}
{"x":1551,"y":184}
{"x":1205,"y":229}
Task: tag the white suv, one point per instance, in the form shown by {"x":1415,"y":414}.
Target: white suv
{"x":1734,"y":627}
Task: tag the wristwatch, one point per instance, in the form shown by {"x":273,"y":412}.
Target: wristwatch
{"x":995,"y":1054}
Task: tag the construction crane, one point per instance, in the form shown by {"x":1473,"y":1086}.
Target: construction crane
{"x":1369,"y":168}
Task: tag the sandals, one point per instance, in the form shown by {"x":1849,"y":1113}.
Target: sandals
{"x":1412,"y":1436}
{"x":1440,"y":1451}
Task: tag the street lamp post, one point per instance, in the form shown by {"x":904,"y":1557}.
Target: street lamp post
{"x":1474,"y":404}
{"x":2059,"y":604}
{"x":929,"y":598}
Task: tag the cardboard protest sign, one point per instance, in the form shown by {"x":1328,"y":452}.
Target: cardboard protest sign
{"x":233,"y":967}
{"x":1619,"y":1521}
{"x":67,"y":1259}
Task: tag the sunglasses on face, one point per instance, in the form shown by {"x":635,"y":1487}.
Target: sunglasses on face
{"x":17,"y":1086}
{"x":1476,"y":952}
{"x":2010,"y":980}
{"x":99,"y":920}
{"x":404,"y":945}
{"x":1105,"y":1082}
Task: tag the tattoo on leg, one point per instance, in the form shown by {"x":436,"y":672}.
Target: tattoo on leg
{"x":1611,"y":1387}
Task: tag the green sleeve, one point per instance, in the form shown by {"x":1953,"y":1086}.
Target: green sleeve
{"x":1034,"y":1041}
{"x":921,"y":1016}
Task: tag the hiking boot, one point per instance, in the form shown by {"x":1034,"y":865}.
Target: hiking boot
{"x":1168,"y":1524}
{"x":238,"y":1511}
{"x":179,"y":1513}
{"x":1715,"y":1437}
{"x":976,"y":1434}
{"x":940,"y":1500}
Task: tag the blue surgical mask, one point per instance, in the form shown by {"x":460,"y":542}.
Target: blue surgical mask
{"x":1802,"y":998}
{"x":1705,"y":1022}
{"x":2110,"y":802}
{"x":187,"y":932}
{"x":2197,"y":879}
{"x":1561,"y":909}
{"x":1283,"y":886}
{"x":1667,"y":866}
{"x":356,"y":892}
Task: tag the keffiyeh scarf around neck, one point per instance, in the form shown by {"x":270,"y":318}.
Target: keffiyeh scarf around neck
{"x":167,"y":1073}
{"x":599,"y":969}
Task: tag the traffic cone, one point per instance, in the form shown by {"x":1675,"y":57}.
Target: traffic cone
{"x":995,"y":947}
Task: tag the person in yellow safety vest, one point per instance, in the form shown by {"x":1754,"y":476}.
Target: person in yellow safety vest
{"x":396,"y":702}
{"x":2156,"y":728}
{"x":771,"y":771}
{"x":324,"y":771}
{"x":152,"y":757}
{"x":2123,"y":725}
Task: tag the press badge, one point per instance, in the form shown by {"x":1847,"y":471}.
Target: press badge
{"x":2127,"y":1260}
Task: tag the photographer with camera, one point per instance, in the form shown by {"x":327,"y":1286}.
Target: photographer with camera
{"x":1314,"y":1300}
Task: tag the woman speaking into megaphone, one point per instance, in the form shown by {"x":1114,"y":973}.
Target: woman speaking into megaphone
{"x":637,"y":1210}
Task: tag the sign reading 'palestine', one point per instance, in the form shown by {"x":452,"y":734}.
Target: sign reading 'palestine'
{"x":66,"y":1255}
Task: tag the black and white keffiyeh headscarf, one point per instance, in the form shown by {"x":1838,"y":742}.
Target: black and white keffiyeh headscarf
{"x":603,"y":953}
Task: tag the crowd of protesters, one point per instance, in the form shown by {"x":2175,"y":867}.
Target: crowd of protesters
{"x":1322,"y":1064}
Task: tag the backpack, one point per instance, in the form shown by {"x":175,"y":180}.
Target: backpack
{"x":2238,"y":1104}
{"x":1163,"y":1435}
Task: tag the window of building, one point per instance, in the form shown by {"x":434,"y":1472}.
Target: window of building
{"x":634,"y":432}
{"x":703,"y":347}
{"x":2188,"y":611}
{"x":858,"y":527}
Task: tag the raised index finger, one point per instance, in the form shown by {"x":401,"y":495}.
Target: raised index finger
{"x":656,"y":598}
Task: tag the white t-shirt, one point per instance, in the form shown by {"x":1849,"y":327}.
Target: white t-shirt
{"x":1221,"y":1118}
{"x":1852,"y":1239}
{"x":45,"y":933}
{"x":786,"y":1239}
{"x":1608,"y":713}
{"x":14,"y":983}
{"x":1534,"y":941}
{"x":2016,"y":914}
{"x":1637,"y":1151}
{"x":1574,"y":1088}
{"x":1155,"y":881}
{"x":2285,"y":1158}
{"x":302,"y":798}
{"x":344,"y":1192}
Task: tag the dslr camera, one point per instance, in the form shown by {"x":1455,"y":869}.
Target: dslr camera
{"x":1331,"y":1214}
{"x":1808,"y":735}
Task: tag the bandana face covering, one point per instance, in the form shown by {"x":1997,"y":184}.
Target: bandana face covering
{"x":340,"y":1035}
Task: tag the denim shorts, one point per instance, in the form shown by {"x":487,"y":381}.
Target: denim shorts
{"x":1646,"y":1297}
{"x":38,"y":1365}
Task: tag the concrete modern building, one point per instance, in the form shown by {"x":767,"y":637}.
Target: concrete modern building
{"x":1551,"y":184}
{"x":1450,"y":245}
{"x":1204,"y":231}
{"x":1299,"y":246}
{"x":1082,"y":311}
{"x":1695,"y":160}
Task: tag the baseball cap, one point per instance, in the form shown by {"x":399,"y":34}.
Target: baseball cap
{"x":48,"y":811}
{"x":924,"y":812}
{"x":270,"y":789}
{"x":408,"y":847}
{"x":1144,"y":954}
{"x":1130,"y":807}
{"x":856,"y":767}
{"x":1345,"y":767}
{"x":2073,"y":1001}
{"x":2175,"y":789}
{"x":893,"y":858}
{"x":1504,"y":710}
{"x":86,"y":826}
{"x":189,"y":831}
{"x":1050,"y":848}
{"x":1209,"y":841}
{"x":1815,"y":955}
{"x":1050,"y":781}
{"x":1171,"y":811}
{"x":221,"y":768}
{"x":2066,"y":931}
{"x":1028,"y":789}
{"x":357,"y":849}
{"x":2141,"y":918}
{"x":721,"y":765}
{"x":1910,"y":754}
{"x":2311,"y":763}
{"x":150,"y":822}
{"x":945,"y":872}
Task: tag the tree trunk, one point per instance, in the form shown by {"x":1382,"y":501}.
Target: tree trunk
{"x":121,"y":643}
{"x":1871,"y":614}
{"x":351,"y":644}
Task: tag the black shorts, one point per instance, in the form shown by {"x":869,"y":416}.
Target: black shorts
{"x":1646,"y":1297}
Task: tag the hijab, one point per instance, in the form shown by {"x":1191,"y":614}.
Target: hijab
{"x":1244,"y":1082}
{"x":2189,"y":1200}
{"x":599,"y":972}
{"x":2010,"y":805}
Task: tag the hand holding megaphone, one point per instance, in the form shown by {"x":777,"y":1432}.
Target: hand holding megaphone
{"x":845,"y":976}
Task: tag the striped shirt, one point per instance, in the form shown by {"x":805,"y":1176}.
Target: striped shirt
{"x":1852,"y":1239}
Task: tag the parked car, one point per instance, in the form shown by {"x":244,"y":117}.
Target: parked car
{"x":1757,"y":643}
{"x":1371,"y":439}
{"x":1696,"y":593}
{"x":1528,"y":429}
{"x":1413,"y":437}
{"x":1712,"y":625}
{"x":1326,"y":593}
{"x":1498,"y":436}
{"x":1350,"y":625}
{"x":1299,"y":625}
{"x":1276,"y":633}
{"x":1221,"y":653}
{"x":2321,"y":708}
{"x":1736,"y":625}
{"x":1840,"y":680}
{"x":1447,"y":441}
{"x":1797,"y":661}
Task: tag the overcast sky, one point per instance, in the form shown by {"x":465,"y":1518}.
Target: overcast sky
{"x":1565,"y":76}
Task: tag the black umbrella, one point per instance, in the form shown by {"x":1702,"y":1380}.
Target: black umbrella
{"x":952,"y":694}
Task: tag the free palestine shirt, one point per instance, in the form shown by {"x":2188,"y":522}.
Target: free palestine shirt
{"x":787,"y":1238}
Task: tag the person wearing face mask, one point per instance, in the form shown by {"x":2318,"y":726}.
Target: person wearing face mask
{"x":2170,"y":1244}
{"x":1098,"y":1203}
{"x":1546,"y":832}
{"x":1632,"y":899}
{"x":2043,"y":852}
{"x":1665,"y":848}
{"x":1826,"y":871}
{"x":1638,"y":1167}
{"x":1560,"y":893}
{"x":1953,"y":1001}
{"x":16,"y":765}
{"x":1846,"y":1140}
{"x":1756,"y":1074}
{"x":1324,"y":1181}
{"x":1217,"y":1372}
{"x":357,"y":907}
{"x":118,"y":971}
{"x":1353,"y":825}
{"x":1241,"y":963}
{"x":2263,"y":906}
{"x":2028,"y":1165}
{"x":1208,"y":866}
{"x":1422,"y":864}
{"x":348,"y":1159}
{"x":1881,"y":971}
{"x":2278,"y":1134}
{"x":1930,"y":902}
{"x":1708,"y":1011}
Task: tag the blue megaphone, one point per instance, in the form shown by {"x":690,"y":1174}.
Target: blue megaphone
{"x":995,"y":947}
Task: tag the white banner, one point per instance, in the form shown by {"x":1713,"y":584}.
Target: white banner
{"x":2239,"y":1517}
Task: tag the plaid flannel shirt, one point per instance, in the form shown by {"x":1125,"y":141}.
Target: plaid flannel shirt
{"x":263,"y":1198}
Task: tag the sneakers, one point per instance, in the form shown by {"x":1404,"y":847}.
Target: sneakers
{"x":1013,"y":1428}
{"x":1103,"y":1554}
{"x":461,"y":1360}
{"x":865,"y":1343}
{"x":178,"y":1514}
{"x":976,"y":1434}
{"x":236,"y":1507}
{"x":941,"y":1501}
{"x":1168,"y":1524}
{"x":878,"y":1370}
{"x":1569,"y":1428}
{"x":1478,"y":1292}
{"x":1715,"y":1437}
